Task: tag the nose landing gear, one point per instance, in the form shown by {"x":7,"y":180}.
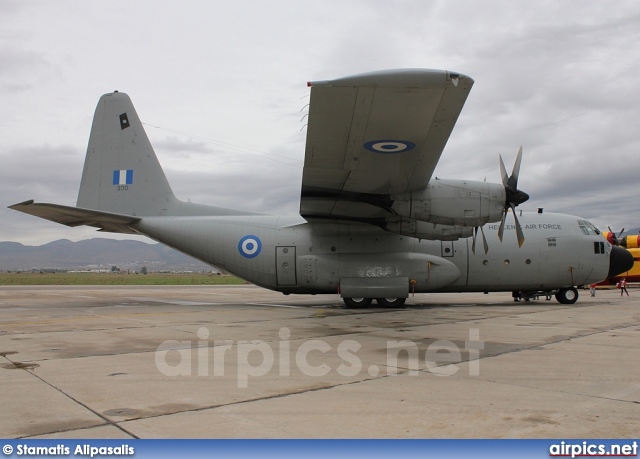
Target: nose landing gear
{"x":567,"y":295}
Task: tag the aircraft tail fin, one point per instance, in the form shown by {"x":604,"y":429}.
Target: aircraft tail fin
{"x":121,"y":171}
{"x":122,"y":180}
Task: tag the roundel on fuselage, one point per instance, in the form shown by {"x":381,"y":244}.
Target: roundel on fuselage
{"x":389,"y":146}
{"x":250,"y":246}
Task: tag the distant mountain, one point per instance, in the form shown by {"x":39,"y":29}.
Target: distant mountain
{"x":96,"y":253}
{"x":630,"y":232}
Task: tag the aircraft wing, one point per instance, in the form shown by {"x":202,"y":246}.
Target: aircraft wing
{"x":376,"y":135}
{"x":76,"y":216}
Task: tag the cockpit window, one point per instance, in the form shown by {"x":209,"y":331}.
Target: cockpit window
{"x":587,"y":228}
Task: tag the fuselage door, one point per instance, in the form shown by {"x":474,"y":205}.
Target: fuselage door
{"x":286,"y":265}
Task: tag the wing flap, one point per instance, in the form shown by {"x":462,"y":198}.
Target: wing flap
{"x":76,"y":216}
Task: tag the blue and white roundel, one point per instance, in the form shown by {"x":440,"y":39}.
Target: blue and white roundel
{"x":389,"y":146}
{"x":250,"y":246}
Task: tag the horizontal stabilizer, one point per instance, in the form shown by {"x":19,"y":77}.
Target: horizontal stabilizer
{"x":76,"y":216}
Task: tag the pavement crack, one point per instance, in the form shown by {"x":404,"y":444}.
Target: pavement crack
{"x":259,"y":399}
{"x":84,"y":405}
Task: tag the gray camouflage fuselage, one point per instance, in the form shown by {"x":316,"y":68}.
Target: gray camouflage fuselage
{"x":297,"y":256}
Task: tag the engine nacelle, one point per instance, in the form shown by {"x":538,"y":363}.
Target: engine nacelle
{"x":453,"y":202}
{"x":429,"y":231}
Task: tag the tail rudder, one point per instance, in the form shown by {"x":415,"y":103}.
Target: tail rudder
{"x":121,"y":171}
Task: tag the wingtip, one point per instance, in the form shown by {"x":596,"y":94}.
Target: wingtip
{"x":20,"y":204}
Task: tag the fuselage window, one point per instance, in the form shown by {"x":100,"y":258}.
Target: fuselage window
{"x":598,"y":247}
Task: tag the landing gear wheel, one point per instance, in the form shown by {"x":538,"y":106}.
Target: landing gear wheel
{"x":357,"y":302}
{"x":567,"y":295}
{"x":391,"y":302}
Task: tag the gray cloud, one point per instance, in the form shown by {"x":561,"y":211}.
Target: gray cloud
{"x":228,"y":82}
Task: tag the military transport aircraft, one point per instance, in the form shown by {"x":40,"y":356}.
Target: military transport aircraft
{"x":374,"y":223}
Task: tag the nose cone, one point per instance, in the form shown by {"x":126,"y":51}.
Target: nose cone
{"x":620,"y":261}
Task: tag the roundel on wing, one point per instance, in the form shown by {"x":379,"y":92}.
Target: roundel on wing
{"x":250,"y":246}
{"x":389,"y":146}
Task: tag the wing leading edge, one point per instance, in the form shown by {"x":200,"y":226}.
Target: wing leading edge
{"x":376,"y":135}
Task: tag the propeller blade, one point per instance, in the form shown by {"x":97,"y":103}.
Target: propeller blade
{"x":503,"y":172}
{"x":484,"y":241}
{"x":516,"y":169}
{"x":473,"y":245}
{"x":519,"y":232}
{"x":485,"y":244}
{"x":501,"y":229}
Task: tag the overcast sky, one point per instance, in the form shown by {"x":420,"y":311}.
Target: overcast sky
{"x":222,"y":89}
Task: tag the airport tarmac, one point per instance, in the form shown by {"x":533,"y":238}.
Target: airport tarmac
{"x":244,"y":362}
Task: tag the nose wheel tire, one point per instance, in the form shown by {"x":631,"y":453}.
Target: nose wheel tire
{"x":357,"y":302}
{"x":391,"y":302}
{"x":567,"y":295}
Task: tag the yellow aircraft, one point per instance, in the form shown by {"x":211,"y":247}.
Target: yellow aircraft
{"x":630,"y":242}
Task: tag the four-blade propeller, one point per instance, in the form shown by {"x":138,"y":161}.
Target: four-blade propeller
{"x":613,"y":238}
{"x":514,"y":197}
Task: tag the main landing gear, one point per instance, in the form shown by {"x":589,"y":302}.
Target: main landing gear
{"x":366,"y":302}
{"x":564,"y":295}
